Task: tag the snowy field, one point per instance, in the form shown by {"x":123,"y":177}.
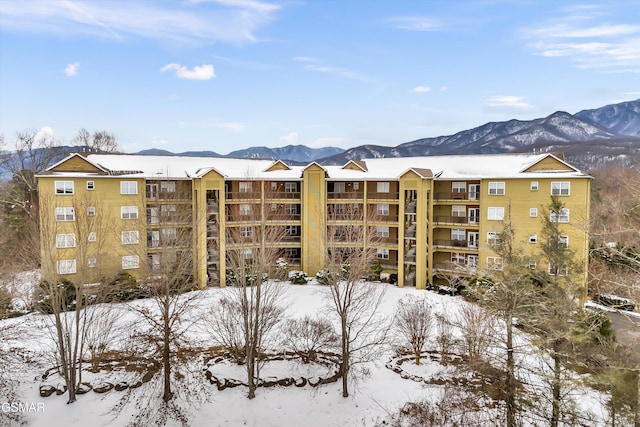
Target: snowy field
{"x":373,"y":401}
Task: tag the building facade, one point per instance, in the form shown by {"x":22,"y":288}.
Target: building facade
{"x":430,"y":216}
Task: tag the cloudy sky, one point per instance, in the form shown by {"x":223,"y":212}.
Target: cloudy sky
{"x":227,"y":74}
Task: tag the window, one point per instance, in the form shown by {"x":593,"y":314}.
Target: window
{"x":274,"y":186}
{"x":382,"y":253}
{"x":168,"y":211}
{"x":245,"y":210}
{"x":130,"y":237}
{"x":494,"y":263}
{"x":170,"y":235}
{"x":356,"y":186}
{"x":291,"y":209}
{"x":130,"y":261}
{"x":561,"y":188}
{"x":472,"y":261}
{"x":458,"y":187}
{"x":533,"y":264}
{"x":67,"y":266}
{"x":246,"y":231}
{"x":151,"y":191}
{"x":65,"y":240}
{"x":65,"y":214}
{"x":382,"y":231}
{"x":338,"y":187}
{"x":533,"y":212}
{"x":64,"y":187}
{"x":152,"y":215}
{"x":495,"y":213}
{"x":167,"y":186}
{"x":534,"y":185}
{"x":91,"y":185}
{"x":533,"y":238}
{"x":458,"y":258}
{"x":128,"y":187}
{"x":560,"y":270}
{"x":92,"y":262}
{"x":561,"y":216}
{"x":290,"y":187}
{"x":291,"y":230}
{"x":153,"y":239}
{"x":383,"y":209}
{"x":128,"y":212}
{"x":563,"y":242}
{"x":383,"y":187}
{"x":91,"y":237}
{"x":245,"y":187}
{"x":458,"y":211}
{"x":340,"y":209}
{"x":91,"y":211}
{"x":496,"y":188}
{"x":247,"y":253}
{"x":492,"y":238}
{"x":458,"y":235}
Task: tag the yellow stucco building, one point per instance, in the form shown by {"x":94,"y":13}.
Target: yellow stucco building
{"x":104,"y":213}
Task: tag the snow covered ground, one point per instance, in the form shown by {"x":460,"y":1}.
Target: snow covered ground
{"x":372,"y":400}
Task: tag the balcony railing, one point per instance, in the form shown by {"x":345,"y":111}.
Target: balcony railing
{"x":445,"y":219}
{"x":282,"y":195}
{"x":345,"y":195}
{"x":458,"y":196}
{"x":382,"y":196}
{"x":282,"y":217}
{"x":242,"y":195}
{"x":456,"y":243}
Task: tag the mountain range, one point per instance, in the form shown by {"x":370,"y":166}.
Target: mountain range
{"x":590,"y":139}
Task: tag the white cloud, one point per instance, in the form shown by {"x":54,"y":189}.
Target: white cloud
{"x":72,"y":69}
{"x":443,"y":88}
{"x":199,"y":72}
{"x":46,"y":134}
{"x":508,"y":101}
{"x":230,"y":21}
{"x":291,"y":138}
{"x":579,"y":36}
{"x":416,"y":23}
{"x":421,"y":89}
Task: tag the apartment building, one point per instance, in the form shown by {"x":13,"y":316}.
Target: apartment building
{"x":431,"y":216}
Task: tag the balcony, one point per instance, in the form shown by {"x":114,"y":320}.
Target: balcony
{"x":446,"y":219}
{"x":456,"y":244}
{"x":242,"y":195}
{"x":282,"y":195}
{"x":457,"y":196}
{"x":283,"y":217}
{"x":346,"y":195}
{"x":374,"y":195}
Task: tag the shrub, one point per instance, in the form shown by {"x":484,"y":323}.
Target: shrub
{"x":393,"y":278}
{"x":615,"y":301}
{"x":5,"y":303}
{"x":298,"y":277}
{"x":64,"y":291}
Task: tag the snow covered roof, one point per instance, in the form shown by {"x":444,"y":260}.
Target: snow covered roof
{"x":441,"y":167}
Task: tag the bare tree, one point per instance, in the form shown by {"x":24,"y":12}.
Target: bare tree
{"x":82,"y":229}
{"x":477,"y":326}
{"x":32,"y":152}
{"x":354,"y":302}
{"x":101,"y":142}
{"x":444,"y":337}
{"x":413,"y":320}
{"x":254,"y":299}
{"x":308,"y":336}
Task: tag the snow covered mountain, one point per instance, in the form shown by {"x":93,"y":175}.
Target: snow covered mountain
{"x":612,"y":131}
{"x":297,"y":153}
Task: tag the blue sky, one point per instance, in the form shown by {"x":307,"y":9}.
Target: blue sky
{"x":222,"y":75}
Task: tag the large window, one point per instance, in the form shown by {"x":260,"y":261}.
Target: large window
{"x":458,"y":234}
{"x":492,"y":238}
{"x":168,"y":211}
{"x":130,"y":237}
{"x":170,"y":235}
{"x":494,"y":263}
{"x":65,"y":214}
{"x":382,"y":253}
{"x":458,"y":187}
{"x":496,"y":188}
{"x":65,"y":240}
{"x":383,"y":187}
{"x":245,"y":210}
{"x":246,"y":231}
{"x":495,"y":213}
{"x":290,"y":187}
{"x":67,"y":266}
{"x":561,"y":216}
{"x":245,"y":187}
{"x":130,"y":261}
{"x":64,"y":187}
{"x":561,"y":188}
{"x":128,"y":187}
{"x":291,"y":230}
{"x":128,"y":212}
{"x":560,"y":270}
{"x":383,"y":209}
{"x":167,"y":186}
{"x":458,"y":211}
{"x":339,"y":187}
{"x":291,"y":209}
{"x":382,"y":231}
{"x":152,"y":215}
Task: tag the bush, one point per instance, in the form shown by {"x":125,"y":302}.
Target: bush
{"x":5,"y":303}
{"x":393,"y":278}
{"x":615,"y":301}
{"x":124,"y":287}
{"x":325,"y":277}
{"x":298,"y":277}
{"x":250,"y":277}
{"x":282,"y":268}
{"x":65,"y":291}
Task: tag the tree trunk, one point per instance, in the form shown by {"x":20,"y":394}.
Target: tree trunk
{"x":166,"y":353}
{"x":511,"y":383}
{"x":555,"y":415}
{"x":344,"y":366}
